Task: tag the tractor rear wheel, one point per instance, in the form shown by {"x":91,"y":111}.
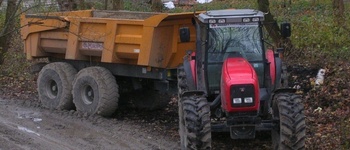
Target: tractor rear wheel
{"x":95,"y":91}
{"x":196,"y":132}
{"x":55,"y":85}
{"x":289,"y":133}
{"x":182,"y":87}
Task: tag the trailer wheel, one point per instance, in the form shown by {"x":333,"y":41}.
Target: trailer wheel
{"x":55,"y":85}
{"x":95,"y":91}
{"x":196,"y":117}
{"x":290,"y":131}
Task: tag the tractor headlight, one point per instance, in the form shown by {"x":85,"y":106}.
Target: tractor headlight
{"x":248,"y":100}
{"x":237,"y":100}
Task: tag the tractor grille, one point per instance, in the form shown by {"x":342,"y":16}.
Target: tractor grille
{"x":242,"y":91}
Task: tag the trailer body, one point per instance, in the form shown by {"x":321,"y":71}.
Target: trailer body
{"x":149,"y":40}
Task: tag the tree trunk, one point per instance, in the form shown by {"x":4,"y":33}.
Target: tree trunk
{"x":157,"y":5}
{"x":6,"y":35}
{"x":338,"y":11}
{"x":82,"y":4}
{"x":67,"y":5}
{"x":270,"y":23}
{"x":118,"y":4}
{"x":272,"y":27}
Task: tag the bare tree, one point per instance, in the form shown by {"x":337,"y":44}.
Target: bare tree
{"x":270,"y":23}
{"x":67,"y":5}
{"x":157,"y":5}
{"x":118,"y":4}
{"x":338,"y":11}
{"x":6,"y":31}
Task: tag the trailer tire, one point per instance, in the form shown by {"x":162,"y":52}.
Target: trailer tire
{"x":197,"y":128}
{"x":55,"y":85}
{"x":290,"y":131}
{"x":95,"y":91}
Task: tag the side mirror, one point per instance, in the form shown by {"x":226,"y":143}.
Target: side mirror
{"x":184,"y":34}
{"x":286,"y":30}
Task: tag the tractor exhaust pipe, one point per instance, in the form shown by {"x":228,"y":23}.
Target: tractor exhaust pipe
{"x":216,"y":102}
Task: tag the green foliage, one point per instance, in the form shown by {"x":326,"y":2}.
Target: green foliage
{"x":137,"y":6}
{"x":314,"y":27}
{"x":98,"y":5}
{"x":2,"y":19}
{"x":38,"y":7}
{"x":215,"y":5}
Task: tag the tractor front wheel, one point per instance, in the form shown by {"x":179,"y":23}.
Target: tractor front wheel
{"x":289,"y":133}
{"x":195,"y":128}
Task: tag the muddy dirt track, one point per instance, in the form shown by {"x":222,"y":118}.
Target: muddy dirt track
{"x":24,"y":124}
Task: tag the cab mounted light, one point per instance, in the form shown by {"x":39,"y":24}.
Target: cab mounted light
{"x":246,"y":19}
{"x":221,"y":20}
{"x":255,"y":19}
{"x":212,"y":21}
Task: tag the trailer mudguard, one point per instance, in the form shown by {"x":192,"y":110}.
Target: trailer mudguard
{"x":237,"y":73}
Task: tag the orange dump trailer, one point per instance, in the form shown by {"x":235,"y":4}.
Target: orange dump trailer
{"x":135,"y":38}
{"x":95,"y":55}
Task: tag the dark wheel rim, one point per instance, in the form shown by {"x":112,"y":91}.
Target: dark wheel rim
{"x":52,"y":91}
{"x":88,"y":95}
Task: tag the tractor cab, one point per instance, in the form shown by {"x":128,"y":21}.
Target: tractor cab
{"x":230,"y":33}
{"x":232,"y":83}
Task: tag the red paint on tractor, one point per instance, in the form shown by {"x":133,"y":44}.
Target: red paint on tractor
{"x":238,"y":71}
{"x":271,"y":59}
{"x":193,"y":67}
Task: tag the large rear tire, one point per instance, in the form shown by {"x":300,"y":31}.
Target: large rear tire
{"x":290,"y":131}
{"x":95,"y":91}
{"x":182,"y":87}
{"x":55,"y":85}
{"x":196,"y":132}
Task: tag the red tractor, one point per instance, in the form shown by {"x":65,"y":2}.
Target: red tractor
{"x":233,"y":83}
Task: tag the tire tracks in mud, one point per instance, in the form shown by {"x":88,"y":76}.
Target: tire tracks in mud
{"x":25,"y":125}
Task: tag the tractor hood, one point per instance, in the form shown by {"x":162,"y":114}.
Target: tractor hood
{"x":238,"y":69}
{"x":239,"y":80}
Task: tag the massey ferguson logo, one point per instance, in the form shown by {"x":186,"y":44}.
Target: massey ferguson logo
{"x":242,"y":89}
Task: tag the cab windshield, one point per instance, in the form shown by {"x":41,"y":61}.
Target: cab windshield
{"x":234,"y":40}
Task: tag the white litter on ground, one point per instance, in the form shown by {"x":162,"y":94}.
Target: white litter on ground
{"x":169,"y":5}
{"x":320,"y":77}
{"x":28,"y":130}
{"x":204,"y":1}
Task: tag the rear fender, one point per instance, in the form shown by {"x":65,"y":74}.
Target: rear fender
{"x":278,"y":73}
{"x":191,"y":93}
{"x":189,"y":68}
{"x":271,"y":59}
{"x":281,"y":90}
